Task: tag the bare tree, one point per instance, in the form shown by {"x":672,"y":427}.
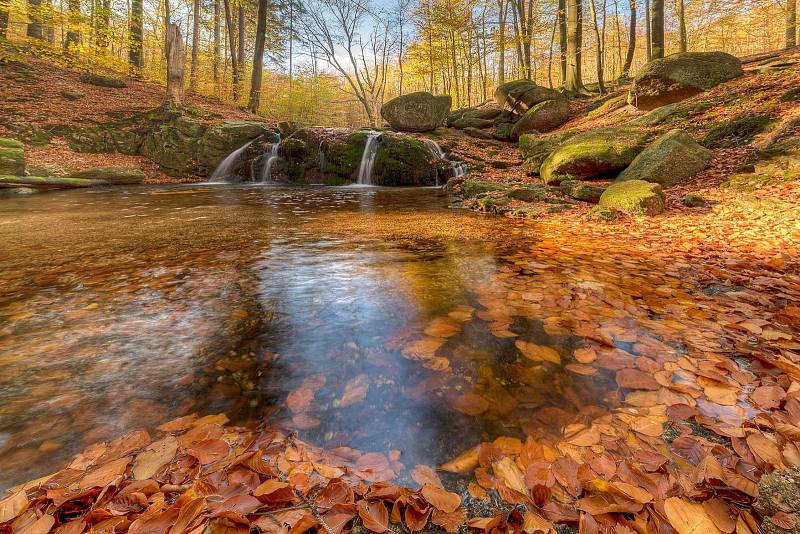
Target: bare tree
{"x":562,"y":38}
{"x":174,"y":44}
{"x":232,"y":48}
{"x":681,"y":14}
{"x":333,"y":28}
{"x":258,"y":56}
{"x":217,"y":47}
{"x":574,"y":45}
{"x":647,"y":33}
{"x":600,"y":44}
{"x":502,"y":21}
{"x":631,"y":43}
{"x":195,"y":45}
{"x":657,"y":29}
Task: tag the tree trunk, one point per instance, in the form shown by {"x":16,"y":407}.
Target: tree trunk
{"x":598,"y":48}
{"x":216,"y":46}
{"x":502,"y":7}
{"x":35,"y":29}
{"x":680,"y":12}
{"x":258,"y":57}
{"x":73,"y":25}
{"x":791,"y":23}
{"x":195,"y":46}
{"x":647,"y":34}
{"x":574,"y":44}
{"x":657,"y":29}
{"x":135,"y":41}
{"x":167,"y":21}
{"x":174,"y":66}
{"x":104,"y":25}
{"x":240,"y":41}
{"x":232,"y":46}
{"x":631,"y":43}
{"x":3,"y":22}
{"x":562,"y":38}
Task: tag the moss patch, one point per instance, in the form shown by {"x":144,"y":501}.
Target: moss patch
{"x":736,"y":132}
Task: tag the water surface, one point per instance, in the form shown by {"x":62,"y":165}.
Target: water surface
{"x":380,"y":320}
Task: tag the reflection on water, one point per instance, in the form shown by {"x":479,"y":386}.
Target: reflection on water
{"x":373,"y":319}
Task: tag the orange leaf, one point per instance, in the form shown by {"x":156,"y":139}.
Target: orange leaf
{"x":440,"y":498}
{"x":374,"y":515}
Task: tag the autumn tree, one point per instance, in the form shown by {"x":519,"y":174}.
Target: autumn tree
{"x":791,"y":23}
{"x":136,"y":38}
{"x":573,"y":82}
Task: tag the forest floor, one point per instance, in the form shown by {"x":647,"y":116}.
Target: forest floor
{"x":707,"y":424}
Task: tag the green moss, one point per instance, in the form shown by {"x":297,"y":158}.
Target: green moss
{"x":12,"y":157}
{"x":792,"y":95}
{"x":342,"y":157}
{"x":635,"y":197}
{"x":403,"y":160}
{"x":737,"y":132}
{"x":601,"y":213}
{"x":471,"y":188}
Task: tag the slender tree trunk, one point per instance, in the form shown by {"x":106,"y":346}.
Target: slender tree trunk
{"x":232,"y":47}
{"x":574,"y":45}
{"x":502,"y":9}
{"x":167,"y":18}
{"x":195,"y":46}
{"x":135,"y":38}
{"x":73,"y":25}
{"x":791,"y":23}
{"x":291,"y":59}
{"x":175,"y":61}
{"x":240,"y":41}
{"x":258,"y":56}
{"x":3,"y":22}
{"x":35,"y":29}
{"x":104,"y":26}
{"x":657,"y":29}
{"x":598,"y":47}
{"x":550,"y":54}
{"x":626,"y":68}
{"x":455,"y":67}
{"x":680,"y":12}
{"x":216,"y":46}
{"x":562,"y":39}
{"x":648,"y":37}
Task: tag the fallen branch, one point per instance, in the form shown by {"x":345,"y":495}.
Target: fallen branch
{"x":48,"y":181}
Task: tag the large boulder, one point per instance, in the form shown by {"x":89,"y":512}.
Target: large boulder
{"x":12,"y":157}
{"x":670,"y":159}
{"x":535,"y":148}
{"x":472,"y":122}
{"x":416,"y":112}
{"x":519,"y":96}
{"x":680,"y":76}
{"x":581,"y":191}
{"x":634,"y":197}
{"x":542,"y":117}
{"x":477,"y":133}
{"x":593,"y":154}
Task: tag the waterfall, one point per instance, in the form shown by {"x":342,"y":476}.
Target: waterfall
{"x":228,"y":164}
{"x":459,"y":167}
{"x":368,"y":159}
{"x":266,"y":173}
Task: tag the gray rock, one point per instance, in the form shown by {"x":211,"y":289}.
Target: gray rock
{"x":670,"y":159}
{"x":472,"y":122}
{"x":535,"y":148}
{"x":680,"y":76}
{"x":581,"y":191}
{"x":477,"y":133}
{"x":502,"y":131}
{"x":542,"y":117}
{"x":634,"y":197}
{"x":416,"y":112}
{"x":112,"y":175}
{"x":519,"y":96}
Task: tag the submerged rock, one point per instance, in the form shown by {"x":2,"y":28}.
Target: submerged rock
{"x":542,"y":117}
{"x":416,"y":112}
{"x":593,"y":154}
{"x":670,"y":159}
{"x":680,"y":76}
{"x":634,"y":197}
{"x":12,"y":157}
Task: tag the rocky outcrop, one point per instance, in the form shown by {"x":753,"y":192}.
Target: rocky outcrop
{"x":416,"y":112}
{"x":542,"y":117}
{"x":581,"y":191}
{"x":477,"y":133}
{"x":593,"y":154}
{"x":680,"y":76}
{"x":518,"y":96}
{"x":670,"y":159}
{"x":181,"y":143}
{"x":12,"y":157}
{"x":634,"y":197}
{"x":535,"y":148}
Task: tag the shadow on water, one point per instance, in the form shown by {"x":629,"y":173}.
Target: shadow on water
{"x":361,"y":318}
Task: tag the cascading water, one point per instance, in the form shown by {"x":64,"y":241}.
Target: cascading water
{"x":459,"y":167}
{"x":228,"y":164}
{"x":271,"y":157}
{"x":368,"y":158}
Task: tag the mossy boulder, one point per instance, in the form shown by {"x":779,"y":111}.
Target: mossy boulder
{"x":736,"y":132}
{"x":502,"y":132}
{"x":519,"y":96}
{"x":669,"y":160}
{"x":612,"y":104}
{"x":472,"y":122}
{"x":486,"y":113}
{"x":593,"y":154}
{"x":477,"y":133}
{"x":12,"y":157}
{"x":602,"y":214}
{"x":542,"y":117}
{"x":72,"y":95}
{"x":656,"y":116}
{"x":535,"y":148}
{"x":112,"y":175}
{"x":680,"y":76}
{"x":778,"y":493}
{"x":416,"y":112}
{"x":634,"y":197}
{"x":581,"y":191}
{"x":403,"y":161}
{"x":103,"y":81}
{"x":472,"y":187}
